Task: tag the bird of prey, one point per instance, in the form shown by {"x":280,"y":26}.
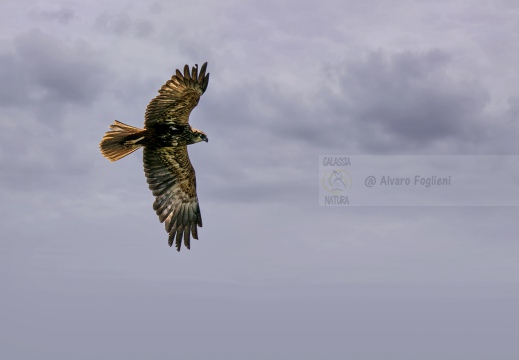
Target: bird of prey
{"x":164,"y":139}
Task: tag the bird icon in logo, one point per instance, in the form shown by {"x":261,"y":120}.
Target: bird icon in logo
{"x":337,"y":181}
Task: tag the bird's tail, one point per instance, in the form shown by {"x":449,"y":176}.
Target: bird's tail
{"x":121,"y":141}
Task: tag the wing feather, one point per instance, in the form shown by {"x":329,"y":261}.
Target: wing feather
{"x":177,"y":97}
{"x":202,"y":71}
{"x":187,"y":239}
{"x":172,"y":180}
{"x":178,"y":240}
{"x":194,"y":231}
{"x":205,"y":81}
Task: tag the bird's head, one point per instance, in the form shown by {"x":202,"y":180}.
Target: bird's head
{"x":199,"y":136}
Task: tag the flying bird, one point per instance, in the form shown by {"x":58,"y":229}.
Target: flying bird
{"x":164,"y":140}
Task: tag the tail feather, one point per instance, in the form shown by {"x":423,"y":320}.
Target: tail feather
{"x":120,"y":141}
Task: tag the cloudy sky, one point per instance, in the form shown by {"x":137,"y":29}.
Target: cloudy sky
{"x":85,"y":269}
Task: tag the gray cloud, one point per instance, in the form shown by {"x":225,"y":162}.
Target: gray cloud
{"x":65,"y":73}
{"x":380,"y":103}
{"x":46,"y":74}
{"x":121,"y":24}
{"x":62,"y":15}
{"x":409,"y":101}
{"x":43,"y":81}
{"x":13,"y":80}
{"x":118,"y":24}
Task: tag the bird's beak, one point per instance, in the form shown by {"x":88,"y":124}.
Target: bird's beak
{"x":205,"y":138}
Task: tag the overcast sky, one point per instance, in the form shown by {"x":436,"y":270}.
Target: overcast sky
{"x":85,"y":268}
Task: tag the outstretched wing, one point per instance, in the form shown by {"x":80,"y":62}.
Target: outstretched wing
{"x":177,"y":97}
{"x":171,"y":178}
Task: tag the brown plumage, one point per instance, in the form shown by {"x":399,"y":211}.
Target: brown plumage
{"x":165,"y":137}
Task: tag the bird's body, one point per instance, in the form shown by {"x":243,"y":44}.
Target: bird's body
{"x":165,"y":137}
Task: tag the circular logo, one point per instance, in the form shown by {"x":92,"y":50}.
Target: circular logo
{"x":336,"y":181}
